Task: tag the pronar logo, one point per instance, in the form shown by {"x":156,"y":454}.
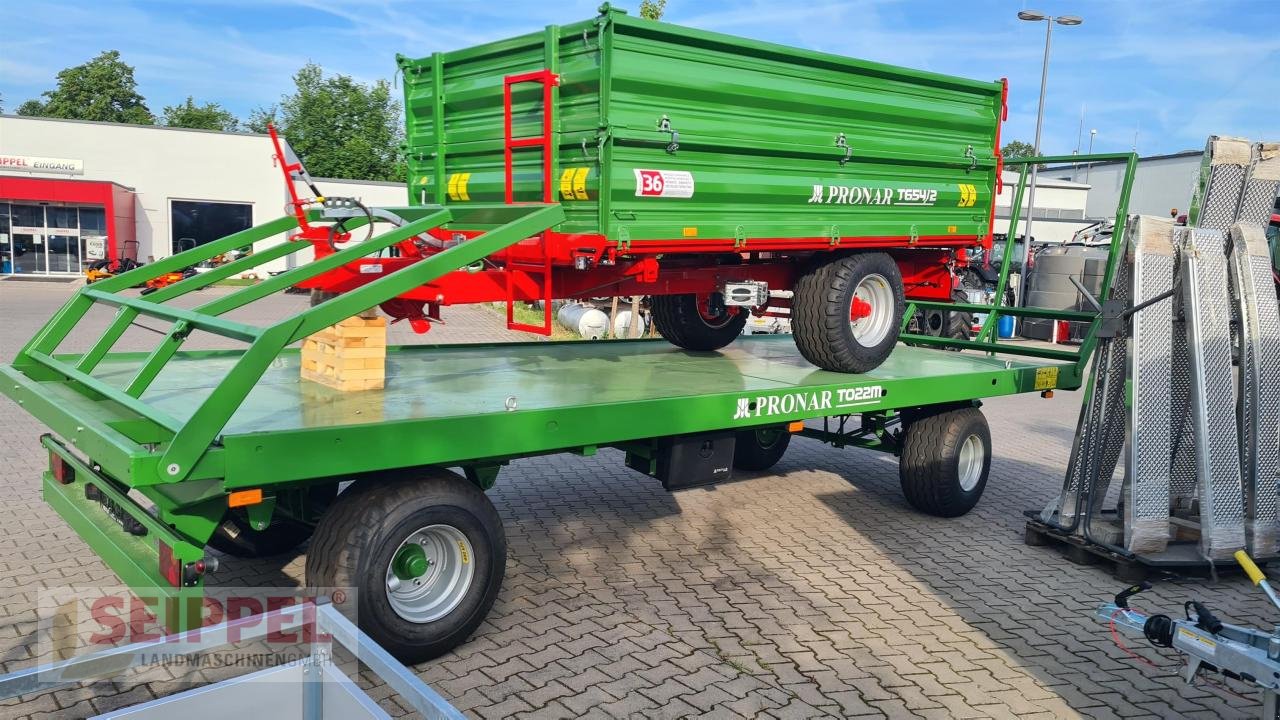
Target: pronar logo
{"x":863,"y":195}
{"x":793,"y":403}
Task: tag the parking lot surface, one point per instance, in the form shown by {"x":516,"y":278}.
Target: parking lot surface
{"x":811,"y":590}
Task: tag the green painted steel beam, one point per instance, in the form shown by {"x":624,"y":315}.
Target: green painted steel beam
{"x":1020,"y":350}
{"x":78,"y":419}
{"x":196,"y":255}
{"x":126,"y":316}
{"x":1029,"y":312}
{"x":108,"y":391}
{"x":532,"y":219}
{"x":194,"y":318}
{"x":135,"y":560}
{"x":209,"y":419}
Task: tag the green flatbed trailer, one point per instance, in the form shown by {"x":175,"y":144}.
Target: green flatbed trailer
{"x":232,"y":449}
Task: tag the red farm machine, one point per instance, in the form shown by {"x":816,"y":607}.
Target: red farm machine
{"x":703,"y":171}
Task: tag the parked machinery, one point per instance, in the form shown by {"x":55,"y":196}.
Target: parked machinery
{"x":701,"y":170}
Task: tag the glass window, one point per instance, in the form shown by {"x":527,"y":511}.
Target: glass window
{"x":93,"y":221}
{"x":93,"y":234}
{"x":28,"y":215}
{"x":6,"y":245}
{"x":196,"y":223}
{"x":60,"y":217}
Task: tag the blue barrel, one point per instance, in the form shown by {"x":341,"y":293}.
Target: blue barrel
{"x":1005,"y":326}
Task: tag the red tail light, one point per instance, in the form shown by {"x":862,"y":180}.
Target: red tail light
{"x":61,"y":469}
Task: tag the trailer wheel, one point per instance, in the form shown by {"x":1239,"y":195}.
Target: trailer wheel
{"x":425,"y":554}
{"x":760,"y":449}
{"x":959,"y":322}
{"x":945,"y":461}
{"x":687,"y":321}
{"x":234,"y":536}
{"x":847,"y":312}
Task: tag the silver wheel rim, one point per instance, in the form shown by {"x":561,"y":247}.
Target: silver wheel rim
{"x":969,"y":466}
{"x":876,"y":291}
{"x":450,"y":568}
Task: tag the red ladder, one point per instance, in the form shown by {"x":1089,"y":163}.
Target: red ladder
{"x":548,"y":80}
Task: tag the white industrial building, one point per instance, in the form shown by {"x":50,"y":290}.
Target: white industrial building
{"x":1060,"y":207}
{"x":1162,"y":184}
{"x":72,"y":191}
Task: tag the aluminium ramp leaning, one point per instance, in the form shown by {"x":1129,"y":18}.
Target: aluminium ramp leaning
{"x":1258,"y":391}
{"x":1258,"y":336}
{"x":1258,"y":196}
{"x":1146,"y":507}
{"x":1211,"y":408}
{"x":1214,"y":204}
{"x":1100,"y":430}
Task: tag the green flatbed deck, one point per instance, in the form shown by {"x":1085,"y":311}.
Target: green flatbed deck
{"x":431,"y":383}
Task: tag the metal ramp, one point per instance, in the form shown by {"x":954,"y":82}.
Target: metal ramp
{"x":1184,"y":385}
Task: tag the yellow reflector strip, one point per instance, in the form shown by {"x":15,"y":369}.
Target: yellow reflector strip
{"x":690,"y":232}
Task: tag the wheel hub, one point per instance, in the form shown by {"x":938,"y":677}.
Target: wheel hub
{"x":871,"y":310}
{"x":969,"y":463}
{"x":430,"y":573}
{"x":410,"y":562}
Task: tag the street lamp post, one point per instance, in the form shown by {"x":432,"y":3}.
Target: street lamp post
{"x":1092,"y":135}
{"x":1034,"y":16}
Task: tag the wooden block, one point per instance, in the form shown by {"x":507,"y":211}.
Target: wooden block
{"x":348,"y":356}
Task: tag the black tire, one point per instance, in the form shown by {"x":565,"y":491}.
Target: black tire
{"x":959,"y":322}
{"x":821,"y":309}
{"x":234,"y":536}
{"x":357,"y":539}
{"x":760,"y":448}
{"x":678,"y":320}
{"x":930,"y":466}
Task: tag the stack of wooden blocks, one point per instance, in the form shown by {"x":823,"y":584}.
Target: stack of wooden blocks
{"x":351,"y":355}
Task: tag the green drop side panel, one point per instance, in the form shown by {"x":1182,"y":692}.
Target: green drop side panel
{"x":757,"y":128}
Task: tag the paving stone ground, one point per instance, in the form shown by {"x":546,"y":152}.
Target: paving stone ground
{"x":811,"y":590}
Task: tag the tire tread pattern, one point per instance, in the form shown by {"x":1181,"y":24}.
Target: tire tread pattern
{"x":820,"y":313}
{"x":927,"y":469}
{"x":343,"y":539}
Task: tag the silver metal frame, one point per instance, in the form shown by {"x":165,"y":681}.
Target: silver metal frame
{"x":321,"y":683}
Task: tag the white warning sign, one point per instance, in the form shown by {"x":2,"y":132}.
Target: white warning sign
{"x":664,"y":183}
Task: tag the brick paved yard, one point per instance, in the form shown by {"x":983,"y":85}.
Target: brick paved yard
{"x":808,"y":591}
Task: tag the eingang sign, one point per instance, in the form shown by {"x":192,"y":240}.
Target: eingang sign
{"x":32,"y":164}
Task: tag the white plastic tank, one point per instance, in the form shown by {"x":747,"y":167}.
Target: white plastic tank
{"x":587,"y":321}
{"x":622,"y":325}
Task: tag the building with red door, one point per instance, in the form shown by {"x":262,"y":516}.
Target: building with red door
{"x":74,"y":192}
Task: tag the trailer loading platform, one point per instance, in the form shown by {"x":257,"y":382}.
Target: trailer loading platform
{"x":466,"y":403}
{"x":156,"y":455}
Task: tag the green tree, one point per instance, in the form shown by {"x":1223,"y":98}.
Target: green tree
{"x":1018,"y":149}
{"x":339,"y":127}
{"x":652,"y":9}
{"x":101,"y":89}
{"x":209,"y":116}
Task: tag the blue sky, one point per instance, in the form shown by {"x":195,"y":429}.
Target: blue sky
{"x":1172,"y":71}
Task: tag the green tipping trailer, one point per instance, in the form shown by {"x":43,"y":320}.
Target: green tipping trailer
{"x":156,"y":455}
{"x":706,"y":172}
{"x":747,"y":139}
